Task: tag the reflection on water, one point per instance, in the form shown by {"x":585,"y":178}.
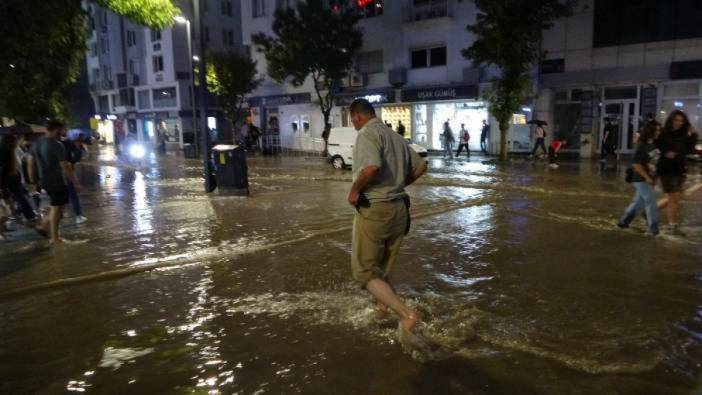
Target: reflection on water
{"x":524,"y":282}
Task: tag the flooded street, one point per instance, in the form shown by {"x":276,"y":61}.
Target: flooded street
{"x":525,"y":283}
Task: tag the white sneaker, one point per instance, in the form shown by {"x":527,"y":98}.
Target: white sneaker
{"x":80,"y":219}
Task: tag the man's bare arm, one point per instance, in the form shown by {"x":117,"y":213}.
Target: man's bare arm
{"x":364,"y":179}
{"x":69,"y":174}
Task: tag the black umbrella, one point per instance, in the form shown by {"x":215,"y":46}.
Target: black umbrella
{"x":537,"y":122}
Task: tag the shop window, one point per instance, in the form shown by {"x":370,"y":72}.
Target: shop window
{"x":691,"y":107}
{"x":370,"y":62}
{"x":165,"y":97}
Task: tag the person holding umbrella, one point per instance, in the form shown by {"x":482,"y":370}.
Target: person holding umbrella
{"x":539,"y":136}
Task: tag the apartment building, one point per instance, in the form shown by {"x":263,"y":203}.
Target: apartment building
{"x":140,"y":78}
{"x":617,"y":61}
{"x":410,"y":67}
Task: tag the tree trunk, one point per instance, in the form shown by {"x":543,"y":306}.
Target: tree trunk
{"x":504,"y":129}
{"x":326,"y":131}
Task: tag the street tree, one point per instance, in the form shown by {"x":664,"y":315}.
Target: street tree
{"x":317,"y":41}
{"x":230,"y":77}
{"x":42,"y":44}
{"x":508,"y":35}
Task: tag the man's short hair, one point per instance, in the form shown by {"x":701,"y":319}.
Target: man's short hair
{"x":362,"y":106}
{"x":55,"y":125}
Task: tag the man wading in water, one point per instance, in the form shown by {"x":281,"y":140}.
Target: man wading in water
{"x":383,"y":165}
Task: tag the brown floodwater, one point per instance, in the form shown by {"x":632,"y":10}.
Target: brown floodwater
{"x":525,"y":283}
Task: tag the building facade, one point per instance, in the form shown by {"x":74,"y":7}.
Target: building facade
{"x":616,"y":62}
{"x":410,"y":67}
{"x":141,"y":79}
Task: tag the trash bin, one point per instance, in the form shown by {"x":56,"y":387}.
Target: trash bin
{"x":231,"y":171}
{"x":189,"y":151}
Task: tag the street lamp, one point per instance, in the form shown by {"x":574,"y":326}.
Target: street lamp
{"x":184,"y":21}
{"x":198,"y":8}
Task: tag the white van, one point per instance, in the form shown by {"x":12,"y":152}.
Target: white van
{"x":341,"y":142}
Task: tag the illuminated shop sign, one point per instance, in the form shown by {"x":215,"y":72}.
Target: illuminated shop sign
{"x":374,"y":97}
{"x":440,"y":93}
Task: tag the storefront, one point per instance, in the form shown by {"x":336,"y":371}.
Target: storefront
{"x":286,"y":121}
{"x":384,"y":102}
{"x":432,"y":107}
{"x":685,"y":96}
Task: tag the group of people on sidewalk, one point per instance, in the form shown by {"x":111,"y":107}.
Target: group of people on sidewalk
{"x":30,"y":167}
{"x":661,"y":155}
{"x":448,"y":139}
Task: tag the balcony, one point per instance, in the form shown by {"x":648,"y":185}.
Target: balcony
{"x":423,"y":10}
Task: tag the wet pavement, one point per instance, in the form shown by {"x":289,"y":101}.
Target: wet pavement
{"x":525,"y":282}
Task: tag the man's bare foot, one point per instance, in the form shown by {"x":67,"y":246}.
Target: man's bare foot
{"x":408,"y":324}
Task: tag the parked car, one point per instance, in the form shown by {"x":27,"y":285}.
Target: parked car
{"x":341,"y":142}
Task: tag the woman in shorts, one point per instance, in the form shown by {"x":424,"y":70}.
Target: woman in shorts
{"x":677,"y":140}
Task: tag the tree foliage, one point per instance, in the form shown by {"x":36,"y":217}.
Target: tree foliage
{"x":313,"y":41}
{"x":508,"y":35}
{"x":230,"y":76}
{"x":42,"y":44}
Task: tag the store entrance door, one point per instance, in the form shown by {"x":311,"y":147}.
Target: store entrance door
{"x":623,"y":120}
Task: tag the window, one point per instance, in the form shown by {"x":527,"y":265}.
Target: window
{"x":428,"y":9}
{"x":104,"y":46}
{"x":370,"y":62}
{"x":226,"y":8}
{"x":95,"y":75}
{"x":369,"y":8}
{"x":144,"y":99}
{"x":228,"y":37}
{"x":628,"y":22}
{"x":428,"y":57}
{"x":131,"y":66}
{"x":437,"y":56}
{"x":165,"y":97}
{"x":93,"y":49}
{"x":131,"y":38}
{"x":158,"y":64}
{"x":259,"y":8}
{"x":284,"y":4}
{"x":156,"y":35}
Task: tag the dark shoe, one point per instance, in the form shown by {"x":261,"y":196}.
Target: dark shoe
{"x":623,"y":225}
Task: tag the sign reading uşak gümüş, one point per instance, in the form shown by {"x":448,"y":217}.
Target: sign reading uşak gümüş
{"x":449,"y":92}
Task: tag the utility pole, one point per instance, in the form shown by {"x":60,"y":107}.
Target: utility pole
{"x":205,"y":148}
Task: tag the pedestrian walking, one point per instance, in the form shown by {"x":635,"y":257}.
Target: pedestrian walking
{"x":400,"y":128}
{"x":553,"y":149}
{"x":383,"y":165}
{"x":464,"y":139}
{"x":11,"y":175}
{"x":48,"y":157}
{"x":73,"y":156}
{"x":676,"y":141}
{"x":484,"y":137}
{"x":448,"y":138}
{"x":162,"y":138}
{"x":642,"y":175}
{"x":539,"y":140}
{"x":610,"y":140}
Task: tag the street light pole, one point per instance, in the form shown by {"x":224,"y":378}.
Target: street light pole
{"x":183,"y":20}
{"x":202,"y":82}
